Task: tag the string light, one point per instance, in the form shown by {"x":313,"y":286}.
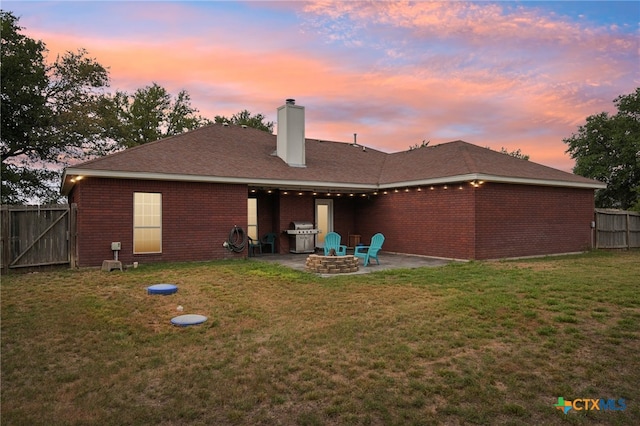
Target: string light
{"x":474,"y":183}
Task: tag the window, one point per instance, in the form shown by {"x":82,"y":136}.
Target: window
{"x":147,"y":222}
{"x":252,"y":218}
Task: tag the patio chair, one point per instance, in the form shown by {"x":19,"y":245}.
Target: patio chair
{"x":332,"y":241}
{"x":269,"y":240}
{"x":370,"y":251}
{"x":253,"y":245}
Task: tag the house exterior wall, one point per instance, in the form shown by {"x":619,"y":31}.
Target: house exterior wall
{"x":267,"y":216}
{"x":492,"y":221}
{"x":489,"y":222}
{"x":196,"y":219}
{"x":344,"y":222}
{"x":293,"y":207}
{"x":525,"y":220}
{"x":438,"y":222}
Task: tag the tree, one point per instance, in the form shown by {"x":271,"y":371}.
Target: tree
{"x":148,"y":115}
{"x":49,"y":113}
{"x":607,"y":148}
{"x":424,"y":144}
{"x":517,"y":153}
{"x":245,"y":118}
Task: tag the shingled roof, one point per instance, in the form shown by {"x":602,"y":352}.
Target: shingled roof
{"x":236,"y":154}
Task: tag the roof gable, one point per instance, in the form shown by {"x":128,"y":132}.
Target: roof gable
{"x":237,"y":154}
{"x":459,"y":158}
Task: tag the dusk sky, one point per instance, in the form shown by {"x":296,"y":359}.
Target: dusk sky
{"x":519,"y":75}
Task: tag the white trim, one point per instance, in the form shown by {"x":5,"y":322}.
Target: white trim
{"x":534,"y":256}
{"x":319,"y":186}
{"x":543,"y":182}
{"x":494,"y":178}
{"x":424,"y":256}
{"x":323,"y":202}
{"x":276,"y":183}
{"x":136,"y":227}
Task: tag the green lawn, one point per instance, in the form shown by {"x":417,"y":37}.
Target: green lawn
{"x":473,"y":343}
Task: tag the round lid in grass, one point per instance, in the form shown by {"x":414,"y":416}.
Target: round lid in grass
{"x":188,"y":319}
{"x":162,"y":289}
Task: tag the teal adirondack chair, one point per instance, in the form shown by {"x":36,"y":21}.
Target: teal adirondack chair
{"x":370,"y":251}
{"x":332,"y":241}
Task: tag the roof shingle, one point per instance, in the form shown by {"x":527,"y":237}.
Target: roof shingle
{"x":248,"y":155}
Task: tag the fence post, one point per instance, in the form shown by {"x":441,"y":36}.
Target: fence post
{"x":628,"y":232}
{"x":5,"y":255}
{"x":597,"y":229}
{"x":73,"y":236}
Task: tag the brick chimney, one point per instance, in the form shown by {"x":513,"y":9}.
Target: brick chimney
{"x":290,"y":135}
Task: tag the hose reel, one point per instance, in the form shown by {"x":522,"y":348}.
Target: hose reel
{"x":237,"y":240}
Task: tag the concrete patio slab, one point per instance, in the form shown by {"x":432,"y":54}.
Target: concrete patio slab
{"x":387,"y":261}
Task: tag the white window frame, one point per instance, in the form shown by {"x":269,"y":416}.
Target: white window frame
{"x":143,"y":222}
{"x":252,"y":228}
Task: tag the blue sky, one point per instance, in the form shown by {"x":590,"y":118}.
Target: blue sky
{"x":519,"y":75}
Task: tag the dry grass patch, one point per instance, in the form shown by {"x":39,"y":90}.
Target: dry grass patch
{"x":476,"y":343}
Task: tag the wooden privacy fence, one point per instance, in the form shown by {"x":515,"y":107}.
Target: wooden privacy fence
{"x":38,"y":236}
{"x":617,"y":229}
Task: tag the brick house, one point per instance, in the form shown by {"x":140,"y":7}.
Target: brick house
{"x":177,"y":199}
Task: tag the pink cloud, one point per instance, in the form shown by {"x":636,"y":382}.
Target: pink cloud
{"x":396,"y":73}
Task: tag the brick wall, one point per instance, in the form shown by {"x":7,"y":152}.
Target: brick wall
{"x":267,"y":216}
{"x":523,"y":220}
{"x":493,"y":221}
{"x":196,"y":219}
{"x":344,"y":220}
{"x":436,"y":222}
{"x":293,"y":207}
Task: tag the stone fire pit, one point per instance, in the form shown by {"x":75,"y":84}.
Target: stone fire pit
{"x":331,"y":264}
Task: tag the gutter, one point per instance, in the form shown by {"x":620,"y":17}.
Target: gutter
{"x":71,"y":175}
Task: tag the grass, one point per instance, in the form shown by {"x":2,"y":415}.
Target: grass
{"x":474,"y":343}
